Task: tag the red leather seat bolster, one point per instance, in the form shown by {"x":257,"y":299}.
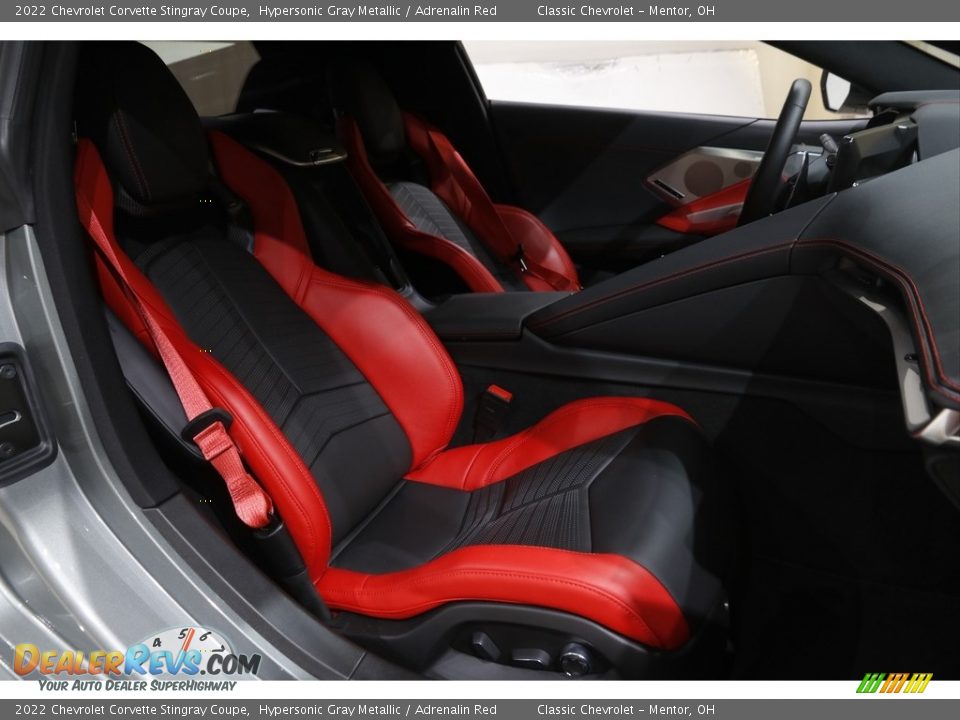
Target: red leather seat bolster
{"x":611,"y":590}
{"x":388,"y":341}
{"x":539,"y":243}
{"x":396,"y":351}
{"x":472,"y":467}
{"x":473,"y":273}
{"x":271,"y":458}
{"x":399,"y":227}
{"x":503,"y":228}
{"x":280,"y":242}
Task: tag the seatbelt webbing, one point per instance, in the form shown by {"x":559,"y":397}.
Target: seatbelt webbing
{"x":251,"y":503}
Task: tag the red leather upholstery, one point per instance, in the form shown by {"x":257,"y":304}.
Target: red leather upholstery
{"x":504,"y":229}
{"x":399,"y":355}
{"x":609,"y":589}
{"x":382,"y":334}
{"x":709,"y":215}
{"x":612,"y":590}
{"x":475,"y":466}
{"x":399,"y":227}
{"x":274,"y":463}
{"x":541,"y":246}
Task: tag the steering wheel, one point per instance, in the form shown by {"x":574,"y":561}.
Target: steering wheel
{"x":762,"y":194}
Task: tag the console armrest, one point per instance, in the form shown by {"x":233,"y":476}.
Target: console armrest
{"x":487,"y":316}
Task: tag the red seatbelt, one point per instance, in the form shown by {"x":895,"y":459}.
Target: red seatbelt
{"x":457,"y":186}
{"x":252,"y":504}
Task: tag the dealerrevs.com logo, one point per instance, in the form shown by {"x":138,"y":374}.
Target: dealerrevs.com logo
{"x":176,"y":653}
{"x":888,"y":683}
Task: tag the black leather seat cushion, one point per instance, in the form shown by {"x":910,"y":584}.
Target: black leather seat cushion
{"x":645,"y":493}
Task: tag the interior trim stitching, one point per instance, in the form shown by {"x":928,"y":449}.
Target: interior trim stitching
{"x":626,"y":292}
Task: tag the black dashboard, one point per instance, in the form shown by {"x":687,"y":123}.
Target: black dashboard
{"x":767,"y":299}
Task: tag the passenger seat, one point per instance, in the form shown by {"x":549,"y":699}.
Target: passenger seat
{"x":597,"y":526}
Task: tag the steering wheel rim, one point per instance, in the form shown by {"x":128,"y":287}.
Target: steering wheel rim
{"x":763,"y":188}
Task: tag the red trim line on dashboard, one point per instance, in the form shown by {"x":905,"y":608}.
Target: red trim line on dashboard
{"x":936,"y":373}
{"x":626,"y":292}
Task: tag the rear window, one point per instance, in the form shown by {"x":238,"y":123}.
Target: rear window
{"x":746,"y":79}
{"x":211,"y":73}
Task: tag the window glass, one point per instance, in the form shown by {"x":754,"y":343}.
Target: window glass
{"x":748,"y":79}
{"x":211,"y":73}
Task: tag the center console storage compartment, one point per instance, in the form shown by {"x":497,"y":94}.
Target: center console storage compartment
{"x":487,"y":316}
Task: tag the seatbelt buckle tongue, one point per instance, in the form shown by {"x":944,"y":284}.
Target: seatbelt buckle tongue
{"x":520,"y":257}
{"x":491,"y":412}
{"x":204,"y":420}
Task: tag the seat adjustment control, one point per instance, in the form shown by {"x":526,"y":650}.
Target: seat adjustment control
{"x":531,"y":658}
{"x":484,"y":647}
{"x":575,"y":660}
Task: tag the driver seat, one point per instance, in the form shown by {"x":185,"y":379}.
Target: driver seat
{"x":430,"y":202}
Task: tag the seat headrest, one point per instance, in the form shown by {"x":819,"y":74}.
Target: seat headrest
{"x":142,"y":122}
{"x":360,"y":92}
{"x":288,"y":84}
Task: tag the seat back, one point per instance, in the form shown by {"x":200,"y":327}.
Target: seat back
{"x":492,"y":247}
{"x":337,"y":388}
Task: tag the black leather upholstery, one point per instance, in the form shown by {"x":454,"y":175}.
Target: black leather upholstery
{"x":342,"y":232}
{"x":487,"y":316}
{"x":939,"y":130}
{"x":735,"y":258}
{"x":639,"y":494}
{"x":644,"y":493}
{"x":915,"y":244}
{"x":282,"y":81}
{"x":358,"y":90}
{"x":143,"y":123}
{"x":150,"y":384}
{"x":333,"y":417}
{"x":429,"y":214}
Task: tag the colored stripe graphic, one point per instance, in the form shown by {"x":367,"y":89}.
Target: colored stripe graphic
{"x":871,"y":682}
{"x":919,"y":682}
{"x":891,"y":683}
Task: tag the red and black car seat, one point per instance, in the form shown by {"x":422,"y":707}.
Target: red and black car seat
{"x":429,"y":200}
{"x":343,"y":401}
